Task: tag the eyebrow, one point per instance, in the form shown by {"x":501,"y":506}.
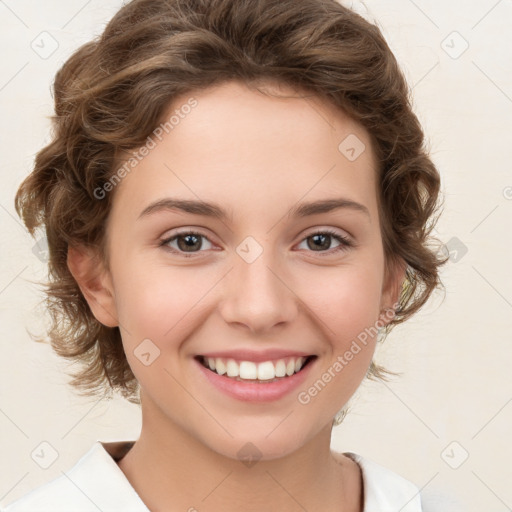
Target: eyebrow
{"x":198,"y":207}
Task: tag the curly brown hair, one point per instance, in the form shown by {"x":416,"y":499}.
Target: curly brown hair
{"x":113,"y":91}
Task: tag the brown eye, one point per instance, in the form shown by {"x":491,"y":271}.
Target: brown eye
{"x":187,"y":242}
{"x":321,"y":241}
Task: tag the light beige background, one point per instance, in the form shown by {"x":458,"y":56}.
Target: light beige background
{"x":454,"y":398}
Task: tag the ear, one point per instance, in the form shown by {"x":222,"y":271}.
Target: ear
{"x":394,"y":277}
{"x":95,"y":282}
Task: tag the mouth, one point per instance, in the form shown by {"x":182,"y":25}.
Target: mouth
{"x":257,"y":372}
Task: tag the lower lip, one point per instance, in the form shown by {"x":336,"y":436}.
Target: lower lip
{"x":251,"y":391}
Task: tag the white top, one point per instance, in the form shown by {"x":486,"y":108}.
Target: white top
{"x":96,"y":483}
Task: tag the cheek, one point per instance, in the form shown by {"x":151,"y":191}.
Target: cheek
{"x":164,"y":305}
{"x":346,"y":300}
{"x":346,"y":310}
{"x":156,"y":306}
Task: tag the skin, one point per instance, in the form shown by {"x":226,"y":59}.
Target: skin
{"x":258,"y":156}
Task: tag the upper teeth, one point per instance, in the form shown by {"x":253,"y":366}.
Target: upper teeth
{"x":249,"y":370}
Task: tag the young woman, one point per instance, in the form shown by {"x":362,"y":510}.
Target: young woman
{"x":237,"y":200}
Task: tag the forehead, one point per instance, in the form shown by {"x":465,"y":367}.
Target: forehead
{"x":238,"y":144}
{"x":270,"y":113}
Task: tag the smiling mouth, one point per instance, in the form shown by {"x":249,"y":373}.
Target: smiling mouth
{"x":249,"y":371}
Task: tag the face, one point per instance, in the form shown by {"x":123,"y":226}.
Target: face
{"x":258,"y":277}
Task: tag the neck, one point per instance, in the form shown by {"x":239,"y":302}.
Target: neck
{"x":172,"y":470}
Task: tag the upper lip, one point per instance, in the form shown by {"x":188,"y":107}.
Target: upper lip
{"x":257,"y":356}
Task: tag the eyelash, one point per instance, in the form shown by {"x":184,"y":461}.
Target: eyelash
{"x":345,"y":243}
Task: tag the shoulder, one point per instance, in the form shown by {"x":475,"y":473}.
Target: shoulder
{"x":54,"y":495}
{"x":385,"y":490}
{"x":94,"y":483}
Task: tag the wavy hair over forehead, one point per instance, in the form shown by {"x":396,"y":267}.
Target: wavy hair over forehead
{"x":113,"y":91}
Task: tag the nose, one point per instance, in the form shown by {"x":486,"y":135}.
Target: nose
{"x":257,"y":295}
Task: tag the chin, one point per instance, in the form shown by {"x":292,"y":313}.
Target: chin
{"x":255,"y":443}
